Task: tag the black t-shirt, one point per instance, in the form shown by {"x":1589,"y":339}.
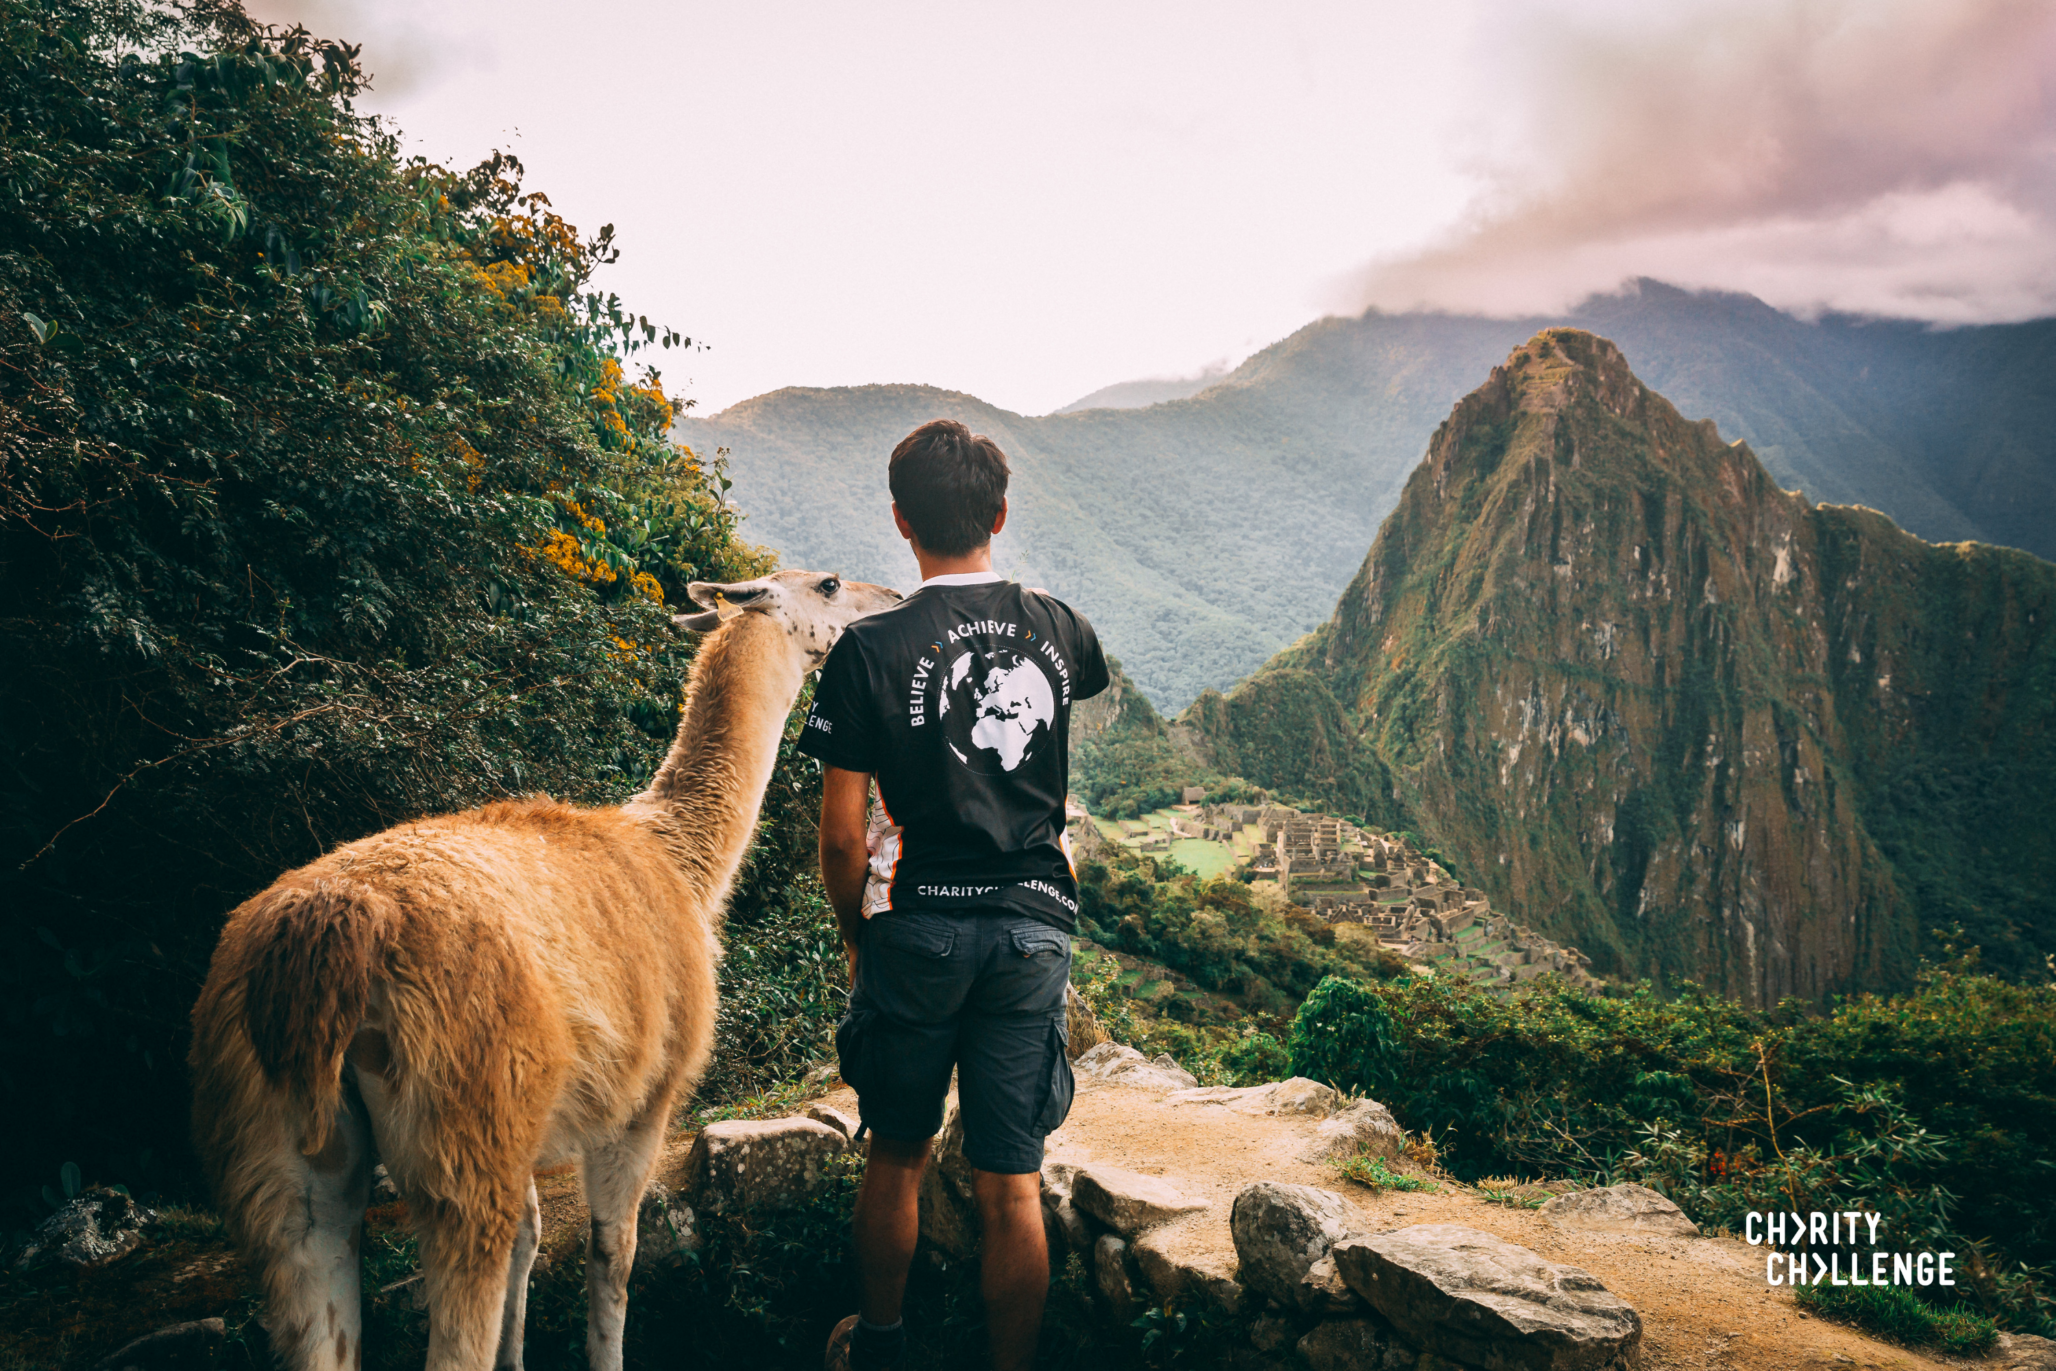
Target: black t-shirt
{"x":958,"y":699}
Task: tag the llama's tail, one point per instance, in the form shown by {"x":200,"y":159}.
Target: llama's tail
{"x":293,"y":973}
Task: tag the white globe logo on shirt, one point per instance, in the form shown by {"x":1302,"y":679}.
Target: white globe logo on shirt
{"x":997,"y":706}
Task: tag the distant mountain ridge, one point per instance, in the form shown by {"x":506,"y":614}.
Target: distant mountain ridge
{"x":1203,"y":534}
{"x":1658,"y":707}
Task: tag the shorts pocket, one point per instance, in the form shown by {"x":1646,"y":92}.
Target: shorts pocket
{"x":851,"y":1037}
{"x":1059,"y":1084}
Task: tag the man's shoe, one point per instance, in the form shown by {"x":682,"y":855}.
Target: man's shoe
{"x":848,"y":1352}
{"x":838,"y":1358}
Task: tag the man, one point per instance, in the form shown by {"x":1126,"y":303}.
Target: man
{"x":957,"y":701}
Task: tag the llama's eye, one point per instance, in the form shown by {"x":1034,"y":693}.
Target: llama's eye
{"x":830,"y":586}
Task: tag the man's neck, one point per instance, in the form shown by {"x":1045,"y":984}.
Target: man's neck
{"x":976,"y":560}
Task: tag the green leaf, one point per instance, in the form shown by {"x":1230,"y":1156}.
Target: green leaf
{"x":73,"y":1180}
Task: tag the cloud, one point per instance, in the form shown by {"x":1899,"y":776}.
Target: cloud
{"x":1883,"y":156}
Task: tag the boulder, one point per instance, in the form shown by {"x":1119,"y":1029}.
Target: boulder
{"x":180,"y":1347}
{"x":2024,"y":1352}
{"x":1627,"y":1208}
{"x":1296,"y":1096}
{"x":1111,"y":1274}
{"x":1323,"y":1291}
{"x":1472,"y":1298}
{"x":949,"y":1208}
{"x":1361,"y":1126}
{"x":834,"y":1118}
{"x":91,"y":1230}
{"x":1175,"y":1268}
{"x":1063,"y":1224}
{"x":1118,"y":1064}
{"x":1346,"y":1345}
{"x":1082,"y":1030}
{"x":665,"y":1231}
{"x":774,"y":1164}
{"x":1128,"y":1201}
{"x":1280,"y":1231}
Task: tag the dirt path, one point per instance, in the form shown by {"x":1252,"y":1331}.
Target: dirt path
{"x":1703,"y":1301}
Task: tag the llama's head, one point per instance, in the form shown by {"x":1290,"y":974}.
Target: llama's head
{"x":813,"y":606}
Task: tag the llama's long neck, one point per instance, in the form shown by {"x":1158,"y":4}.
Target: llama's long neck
{"x":706,"y":795}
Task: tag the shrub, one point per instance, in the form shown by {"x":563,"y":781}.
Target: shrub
{"x":1895,"y":1312}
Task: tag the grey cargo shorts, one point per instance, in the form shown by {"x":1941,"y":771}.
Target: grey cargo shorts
{"x":982,"y":991}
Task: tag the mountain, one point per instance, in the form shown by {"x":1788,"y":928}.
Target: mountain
{"x":1660,"y":708}
{"x":1142,"y":394}
{"x":1204,"y":534}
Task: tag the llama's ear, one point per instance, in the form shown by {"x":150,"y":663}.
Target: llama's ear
{"x":710,"y":594}
{"x":698,"y":623}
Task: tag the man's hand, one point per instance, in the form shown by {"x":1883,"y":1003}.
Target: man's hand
{"x":845,"y":802}
{"x":850,"y":950}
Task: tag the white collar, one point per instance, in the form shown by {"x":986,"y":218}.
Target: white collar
{"x":963,"y":578}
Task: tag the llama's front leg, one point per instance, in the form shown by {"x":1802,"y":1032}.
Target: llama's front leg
{"x":615,"y":1178}
{"x":514,"y":1320}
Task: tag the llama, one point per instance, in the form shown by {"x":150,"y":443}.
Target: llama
{"x":473,"y":997}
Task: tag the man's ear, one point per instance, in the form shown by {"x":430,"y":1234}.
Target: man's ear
{"x":1001,"y":521}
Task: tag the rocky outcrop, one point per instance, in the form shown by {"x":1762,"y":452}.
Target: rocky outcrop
{"x":666,"y":1231}
{"x":1295,"y":1096}
{"x":775,"y":1164}
{"x":1627,"y":1208}
{"x":1475,"y":1299}
{"x":1118,"y":1064}
{"x":1128,"y":1201}
{"x":1280,"y":1231}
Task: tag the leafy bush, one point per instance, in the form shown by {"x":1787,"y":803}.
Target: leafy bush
{"x":1935,"y":1109}
{"x":325,"y":502}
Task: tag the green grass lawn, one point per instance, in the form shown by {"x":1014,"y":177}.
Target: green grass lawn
{"x":1208,"y":859}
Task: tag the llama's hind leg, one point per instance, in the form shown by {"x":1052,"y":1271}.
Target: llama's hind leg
{"x":313,"y":1303}
{"x":615,"y":1177}
{"x":514,"y":1320}
{"x":467,"y":1252}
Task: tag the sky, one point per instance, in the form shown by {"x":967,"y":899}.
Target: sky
{"x":1029,"y":202}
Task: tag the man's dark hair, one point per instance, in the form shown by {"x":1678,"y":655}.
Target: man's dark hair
{"x":949,"y":483}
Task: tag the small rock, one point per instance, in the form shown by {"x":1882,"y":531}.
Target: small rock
{"x":1344,"y":1345}
{"x":665,"y":1231}
{"x":949,"y":1209}
{"x":1168,"y":1064}
{"x":92,"y":1229}
{"x":1117,"y":1064}
{"x":1361,"y":1126}
{"x":1323,"y":1291}
{"x":1082,"y":1030}
{"x":1062,"y":1222}
{"x":834,"y":1118}
{"x":1468,"y":1296}
{"x":1174,"y":1273}
{"x":818,"y":1075}
{"x":180,"y":1347}
{"x":1295,"y":1096}
{"x":775,"y":1164}
{"x":1111,"y":1274}
{"x":1627,"y":1208}
{"x":2024,"y":1352}
{"x":1127,"y":1201}
{"x":383,"y":1191}
{"x":1280,"y":1231}
{"x":1268,"y":1333}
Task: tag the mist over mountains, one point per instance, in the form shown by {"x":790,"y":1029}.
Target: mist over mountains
{"x":1203,"y":534}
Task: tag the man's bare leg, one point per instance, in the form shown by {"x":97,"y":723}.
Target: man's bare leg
{"x":1013,"y":1264}
{"x":888,"y":1224}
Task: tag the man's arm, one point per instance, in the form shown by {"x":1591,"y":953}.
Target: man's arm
{"x":845,"y":805}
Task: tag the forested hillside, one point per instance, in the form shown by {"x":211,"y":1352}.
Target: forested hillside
{"x":1656,"y":706}
{"x":1205,"y":533}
